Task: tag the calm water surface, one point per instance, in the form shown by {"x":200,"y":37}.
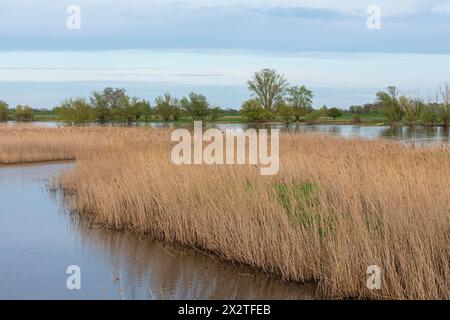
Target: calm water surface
{"x":404,"y":134}
{"x":39,"y":240}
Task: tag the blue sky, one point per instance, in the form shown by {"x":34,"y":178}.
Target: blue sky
{"x":212,"y":46}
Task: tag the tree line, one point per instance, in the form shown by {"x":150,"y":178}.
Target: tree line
{"x":412,"y":110}
{"x":272,"y":98}
{"x":113,"y":104}
{"x":20,"y":113}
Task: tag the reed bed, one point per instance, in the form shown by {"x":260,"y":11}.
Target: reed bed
{"x":28,"y":144}
{"x":336,"y":207}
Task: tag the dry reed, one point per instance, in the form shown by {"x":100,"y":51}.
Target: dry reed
{"x":336,"y":207}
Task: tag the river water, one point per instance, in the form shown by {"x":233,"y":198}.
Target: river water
{"x":419,"y":134}
{"x":39,"y":239}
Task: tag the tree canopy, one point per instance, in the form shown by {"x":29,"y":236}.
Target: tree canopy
{"x":269,"y":88}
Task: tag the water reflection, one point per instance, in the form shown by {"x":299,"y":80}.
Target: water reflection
{"x":146,"y":268}
{"x":39,"y":240}
{"x":418,"y":134}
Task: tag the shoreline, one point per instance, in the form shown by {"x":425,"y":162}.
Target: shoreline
{"x":36,"y":163}
{"x":364,"y":123}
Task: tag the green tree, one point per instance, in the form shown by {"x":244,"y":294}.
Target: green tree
{"x":126,"y":110}
{"x":312,"y":117}
{"x":23,"y":113}
{"x":444,"y":108}
{"x":165,"y":105}
{"x":285,"y":111}
{"x":108,"y":103}
{"x":101,"y":107}
{"x":252,"y":110}
{"x":300,"y":99}
{"x":3,"y":111}
{"x":269,"y":88}
{"x":176,"y":111}
{"x":145,"y":110}
{"x":132,"y":110}
{"x":75,"y":111}
{"x":196,"y":105}
{"x":390,"y":104}
{"x":429,"y":116}
{"x":135,"y":109}
{"x":412,"y":109}
{"x":214,"y":113}
{"x":334,"y":113}
{"x":323,"y":112}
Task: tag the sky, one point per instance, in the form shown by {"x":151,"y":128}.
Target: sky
{"x":213,"y":47}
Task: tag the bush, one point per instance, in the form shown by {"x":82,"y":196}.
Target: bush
{"x":252,"y":110}
{"x":356,"y":119}
{"x":312,"y":117}
{"x":23,"y":113}
{"x":75,"y":111}
{"x":429,"y":116}
{"x":334,"y":113}
{"x":286,"y":112}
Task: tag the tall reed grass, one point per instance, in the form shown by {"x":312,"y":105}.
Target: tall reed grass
{"x":27,"y":144}
{"x":336,"y":207}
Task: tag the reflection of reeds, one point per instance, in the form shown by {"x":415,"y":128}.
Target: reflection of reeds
{"x":152,"y":269}
{"x":336,"y":207}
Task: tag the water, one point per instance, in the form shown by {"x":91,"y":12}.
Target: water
{"x":403,"y":134}
{"x":418,"y":134}
{"x":39,"y":240}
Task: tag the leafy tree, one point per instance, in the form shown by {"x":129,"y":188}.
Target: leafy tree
{"x":390,"y":104}
{"x":176,"y":111}
{"x":196,"y":106}
{"x":101,"y":107}
{"x":165,"y":105}
{"x":108,"y":102}
{"x":323,"y":112}
{"x":135,"y":110}
{"x":267,"y":115}
{"x":334,"y":113}
{"x":126,"y":110}
{"x":214,"y":113}
{"x":444,"y":108}
{"x":429,"y":116}
{"x":356,"y":109}
{"x":145,"y":110}
{"x":412,"y":109}
{"x":252,"y":110}
{"x":285,"y":111}
{"x":75,"y":111}
{"x":23,"y":113}
{"x":269,"y":87}
{"x":312,"y":117}
{"x":300,"y":99}
{"x":114,"y":96}
{"x":3,"y":111}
